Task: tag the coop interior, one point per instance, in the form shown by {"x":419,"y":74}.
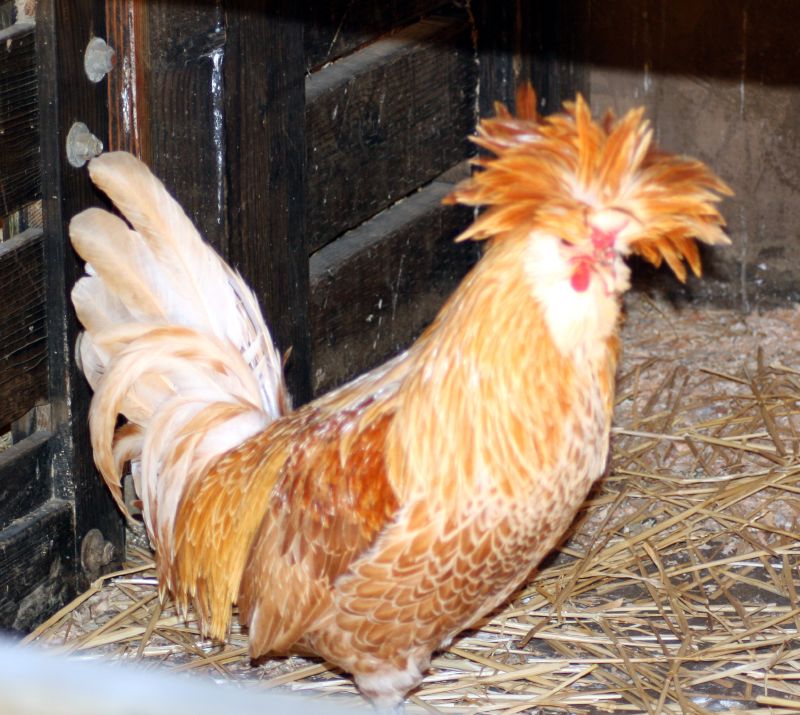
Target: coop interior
{"x":312,"y":144}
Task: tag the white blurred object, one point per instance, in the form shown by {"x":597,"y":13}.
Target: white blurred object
{"x":36,"y":682}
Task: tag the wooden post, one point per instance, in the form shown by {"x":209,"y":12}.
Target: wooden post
{"x":67,"y":96}
{"x":264,"y":78}
{"x":521,"y":41}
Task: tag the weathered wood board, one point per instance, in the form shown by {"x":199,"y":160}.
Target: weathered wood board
{"x":19,"y":119}
{"x":379,"y":285}
{"x":37,"y":576}
{"x":720,"y":82}
{"x":23,"y":328}
{"x":66,"y":95}
{"x":24,"y":483}
{"x":385,"y":120}
{"x":334,"y":28}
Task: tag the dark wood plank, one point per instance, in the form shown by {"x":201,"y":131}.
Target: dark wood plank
{"x":6,"y":13}
{"x":23,"y":329}
{"x":24,"y":478}
{"x":36,"y":571}
{"x":264,"y":85}
{"x":555,"y":49}
{"x":180,"y":90}
{"x":376,"y":288}
{"x":337,"y":27}
{"x":126,"y":24}
{"x":386,"y":120}
{"x":19,"y":119}
{"x":541,"y":43}
{"x":66,"y":95}
{"x":500,"y":39}
{"x":718,"y":81}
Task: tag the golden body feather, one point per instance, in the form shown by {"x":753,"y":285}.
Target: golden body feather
{"x":375,"y":523}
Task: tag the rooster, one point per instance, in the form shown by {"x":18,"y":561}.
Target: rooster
{"x":373,"y":524}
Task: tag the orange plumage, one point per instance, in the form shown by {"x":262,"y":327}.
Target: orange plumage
{"x":375,"y":523}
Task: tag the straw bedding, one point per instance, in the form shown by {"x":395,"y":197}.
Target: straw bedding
{"x":675,"y":591}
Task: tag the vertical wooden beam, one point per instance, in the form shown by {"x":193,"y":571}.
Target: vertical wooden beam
{"x":179,"y":51}
{"x":496,"y":38}
{"x":558,"y":51}
{"x":125,"y":28}
{"x":66,"y":96}
{"x":265,"y":145}
{"x":521,"y":41}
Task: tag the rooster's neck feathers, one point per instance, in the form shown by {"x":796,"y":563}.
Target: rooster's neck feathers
{"x":501,"y":379}
{"x":555,"y":173}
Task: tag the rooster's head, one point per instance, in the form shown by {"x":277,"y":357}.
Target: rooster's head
{"x":596,"y":190}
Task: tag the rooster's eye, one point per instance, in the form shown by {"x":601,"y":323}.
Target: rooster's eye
{"x":564,"y":242}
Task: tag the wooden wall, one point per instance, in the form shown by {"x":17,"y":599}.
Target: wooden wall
{"x":312,"y":146}
{"x":721,"y":81}
{"x":383,"y":126}
{"x":50,"y":496}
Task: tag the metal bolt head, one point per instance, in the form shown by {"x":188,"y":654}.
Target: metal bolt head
{"x":96,"y":552}
{"x":82,"y":145}
{"x":98,"y":59}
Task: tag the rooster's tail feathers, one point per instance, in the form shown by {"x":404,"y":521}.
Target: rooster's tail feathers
{"x":174,"y":338}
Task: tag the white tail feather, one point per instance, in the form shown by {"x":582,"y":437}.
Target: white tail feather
{"x":174,"y":341}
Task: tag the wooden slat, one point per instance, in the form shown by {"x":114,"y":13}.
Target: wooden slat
{"x":23,"y":329}
{"x":500,"y":39}
{"x":180,"y":90}
{"x":554,"y":49}
{"x":36,"y":572}
{"x":337,"y":27}
{"x":6,"y":13}
{"x":266,"y":181}
{"x":386,"y":120}
{"x":520,"y":41}
{"x":24,"y":478}
{"x":19,"y":119}
{"x":66,"y":95}
{"x":126,"y":24}
{"x":375,"y":289}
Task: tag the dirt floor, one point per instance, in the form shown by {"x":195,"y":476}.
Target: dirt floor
{"x":676,"y":590}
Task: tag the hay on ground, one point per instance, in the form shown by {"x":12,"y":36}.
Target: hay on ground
{"x":676,"y":590}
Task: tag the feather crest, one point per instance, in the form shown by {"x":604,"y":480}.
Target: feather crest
{"x":552,"y":173}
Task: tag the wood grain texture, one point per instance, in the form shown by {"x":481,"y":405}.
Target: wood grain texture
{"x":337,"y":27}
{"x":126,"y":25}
{"x":265,"y":139}
{"x":66,"y":95}
{"x":36,"y":571}
{"x":386,"y":120}
{"x":719,"y":83}
{"x":23,"y":329}
{"x":376,"y":288}
{"x":24,"y":481}
{"x":180,"y":107}
{"x":552,"y":44}
{"x":500,"y":43}
{"x":542,"y":43}
{"x":19,"y":119}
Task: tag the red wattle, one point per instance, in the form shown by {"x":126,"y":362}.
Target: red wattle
{"x":580,"y":277}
